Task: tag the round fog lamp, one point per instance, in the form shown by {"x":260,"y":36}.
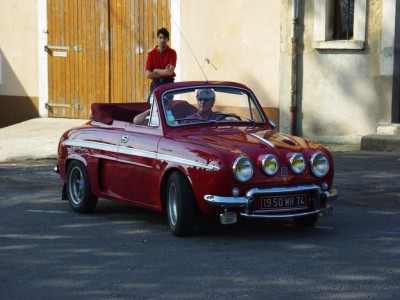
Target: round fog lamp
{"x":235,"y":191}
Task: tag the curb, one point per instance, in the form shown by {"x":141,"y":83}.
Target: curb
{"x":381,"y":142}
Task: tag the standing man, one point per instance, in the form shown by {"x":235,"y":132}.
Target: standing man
{"x":161,"y":61}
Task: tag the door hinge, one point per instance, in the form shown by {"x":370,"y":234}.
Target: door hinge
{"x":50,"y":105}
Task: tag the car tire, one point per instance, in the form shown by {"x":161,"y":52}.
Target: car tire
{"x":80,"y":196}
{"x":181,"y":207}
{"x":306,"y":220}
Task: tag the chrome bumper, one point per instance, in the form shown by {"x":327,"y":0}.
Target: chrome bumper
{"x":247,"y":202}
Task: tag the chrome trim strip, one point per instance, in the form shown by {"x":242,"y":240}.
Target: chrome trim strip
{"x":105,"y":157}
{"x":264,"y":211}
{"x":134,"y":163}
{"x":92,"y":145}
{"x":324,"y":211}
{"x":262,"y":140}
{"x":275,"y":216}
{"x":186,"y":162}
{"x":135,"y":152}
{"x":301,"y":188}
{"x":225,"y":201}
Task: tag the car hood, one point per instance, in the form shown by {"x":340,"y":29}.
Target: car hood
{"x":243,"y":140}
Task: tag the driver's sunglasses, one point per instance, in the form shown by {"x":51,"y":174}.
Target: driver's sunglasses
{"x":206,"y":99}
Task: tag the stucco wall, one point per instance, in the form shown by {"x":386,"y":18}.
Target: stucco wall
{"x":240,"y":38}
{"x":19,"y":48}
{"x":341,"y":92}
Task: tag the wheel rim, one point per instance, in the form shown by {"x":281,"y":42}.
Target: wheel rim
{"x":76,"y":186}
{"x":172,"y":205}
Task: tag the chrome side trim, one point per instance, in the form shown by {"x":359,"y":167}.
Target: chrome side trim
{"x":91,"y":145}
{"x":135,"y":152}
{"x":186,"y":162}
{"x":262,"y":140}
{"x":134,"y":163}
{"x":105,"y":157}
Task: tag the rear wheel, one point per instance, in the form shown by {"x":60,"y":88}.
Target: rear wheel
{"x":306,"y":220}
{"x":181,"y":205}
{"x":80,"y":196}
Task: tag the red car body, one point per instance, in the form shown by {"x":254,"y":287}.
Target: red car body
{"x":187,"y":168}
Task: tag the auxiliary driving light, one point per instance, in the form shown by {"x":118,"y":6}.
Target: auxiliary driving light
{"x":235,"y":192}
{"x":228,"y":218}
{"x":324,"y":186}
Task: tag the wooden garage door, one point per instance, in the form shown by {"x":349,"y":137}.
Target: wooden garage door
{"x":97,"y":52}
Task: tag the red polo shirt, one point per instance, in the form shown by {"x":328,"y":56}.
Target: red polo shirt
{"x":157,"y":60}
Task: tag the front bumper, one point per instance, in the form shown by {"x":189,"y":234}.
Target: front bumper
{"x":247,"y":202}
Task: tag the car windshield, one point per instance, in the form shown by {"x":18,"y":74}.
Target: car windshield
{"x":210,"y":104}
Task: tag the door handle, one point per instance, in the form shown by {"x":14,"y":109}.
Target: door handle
{"x":124,"y":139}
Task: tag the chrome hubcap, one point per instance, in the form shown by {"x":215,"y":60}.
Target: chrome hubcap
{"x":76,"y":186}
{"x":172,"y":205}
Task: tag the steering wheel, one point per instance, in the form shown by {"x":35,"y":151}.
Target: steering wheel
{"x":224,"y":116}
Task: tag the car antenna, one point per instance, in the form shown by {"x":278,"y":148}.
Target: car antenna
{"x":210,"y":63}
{"x":205,"y":76}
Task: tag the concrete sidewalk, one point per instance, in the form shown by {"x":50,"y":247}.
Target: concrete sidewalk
{"x":34,"y":139}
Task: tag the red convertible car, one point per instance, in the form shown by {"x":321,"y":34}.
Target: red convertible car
{"x":199,"y":147}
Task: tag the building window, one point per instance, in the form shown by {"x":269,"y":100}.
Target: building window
{"x":343,"y":19}
{"x":339,"y":24}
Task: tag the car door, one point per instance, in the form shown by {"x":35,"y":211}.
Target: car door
{"x":138,"y":176}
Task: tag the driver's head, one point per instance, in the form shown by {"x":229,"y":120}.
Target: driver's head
{"x":205,"y":99}
{"x":205,"y":94}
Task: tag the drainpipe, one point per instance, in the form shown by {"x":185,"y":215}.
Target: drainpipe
{"x":293,"y":89}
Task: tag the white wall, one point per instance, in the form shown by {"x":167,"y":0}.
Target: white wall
{"x":341,"y":93}
{"x":241,"y":39}
{"x":19,"y":48}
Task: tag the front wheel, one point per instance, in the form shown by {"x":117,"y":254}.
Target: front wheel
{"x":181,"y":205}
{"x":80,"y":196}
{"x":306,"y":220}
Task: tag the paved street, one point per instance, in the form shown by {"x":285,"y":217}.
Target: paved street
{"x":121,"y":252}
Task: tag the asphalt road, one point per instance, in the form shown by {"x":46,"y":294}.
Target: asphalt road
{"x":121,"y":252}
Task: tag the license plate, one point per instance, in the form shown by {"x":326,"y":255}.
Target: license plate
{"x":287,"y":201}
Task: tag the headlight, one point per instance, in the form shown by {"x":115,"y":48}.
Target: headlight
{"x":243,"y":168}
{"x":270,"y":164}
{"x":319,"y":164}
{"x":297,"y":163}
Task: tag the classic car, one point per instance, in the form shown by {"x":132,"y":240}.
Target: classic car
{"x":233,"y":165}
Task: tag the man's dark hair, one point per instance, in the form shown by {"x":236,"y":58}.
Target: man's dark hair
{"x":164,"y":32}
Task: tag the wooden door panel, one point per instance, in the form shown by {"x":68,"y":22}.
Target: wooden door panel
{"x":102,"y":55}
{"x":133,"y":27}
